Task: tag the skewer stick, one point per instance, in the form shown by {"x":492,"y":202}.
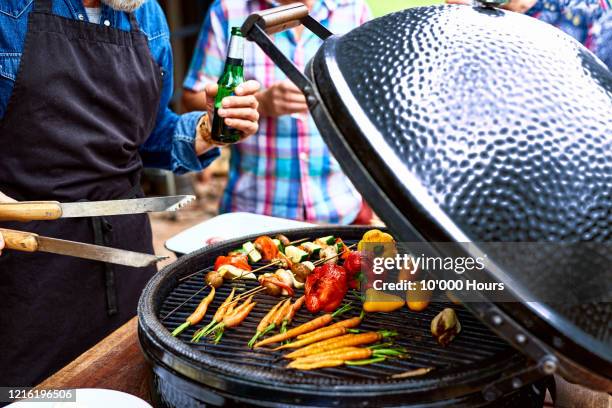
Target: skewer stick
{"x":298,"y":241}
{"x":322,"y":261}
{"x":184,"y":278}
{"x":251,"y":292}
{"x":183,"y":304}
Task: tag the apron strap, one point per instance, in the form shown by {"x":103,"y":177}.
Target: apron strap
{"x":42,"y":6}
{"x":133,"y":22}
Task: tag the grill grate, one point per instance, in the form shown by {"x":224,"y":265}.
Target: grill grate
{"x":475,"y":345}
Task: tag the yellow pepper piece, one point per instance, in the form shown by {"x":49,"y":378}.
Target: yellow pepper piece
{"x":377,"y":301}
{"x":418,"y":299}
{"x":375,"y":236}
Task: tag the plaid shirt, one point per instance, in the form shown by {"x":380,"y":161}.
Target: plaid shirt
{"x":285,"y":170}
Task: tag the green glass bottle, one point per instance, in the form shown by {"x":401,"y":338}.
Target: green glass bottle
{"x":232,"y":76}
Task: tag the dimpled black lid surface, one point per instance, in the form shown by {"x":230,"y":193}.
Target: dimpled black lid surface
{"x":488,"y":126}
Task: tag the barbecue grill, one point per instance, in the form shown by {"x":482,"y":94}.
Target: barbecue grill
{"x":459,"y":124}
{"x":230,"y":374}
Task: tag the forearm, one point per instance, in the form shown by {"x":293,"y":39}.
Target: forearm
{"x":172,"y":144}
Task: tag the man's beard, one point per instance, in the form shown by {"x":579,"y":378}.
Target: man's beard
{"x":124,"y":5}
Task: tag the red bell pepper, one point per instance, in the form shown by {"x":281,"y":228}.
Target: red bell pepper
{"x":325,"y":288}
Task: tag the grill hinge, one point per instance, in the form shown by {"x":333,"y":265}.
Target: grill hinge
{"x":506,"y":385}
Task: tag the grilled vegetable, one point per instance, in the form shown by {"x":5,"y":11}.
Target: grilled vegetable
{"x":304,"y":328}
{"x":352,"y":264}
{"x":252,"y":253}
{"x":214,"y":279}
{"x":331,"y":360}
{"x":347,"y":324}
{"x":323,"y":334}
{"x":283,"y":240}
{"x":325,"y":241}
{"x":267,"y":247}
{"x":325,"y":288}
{"x":232,"y":272}
{"x":198,"y":314}
{"x":262,"y":327}
{"x":312,"y":249}
{"x":294,"y":308}
{"x":283,"y":311}
{"x":378,"y":242}
{"x":300,"y":271}
{"x":378,"y":301}
{"x":418,"y":299}
{"x":347,"y":340}
{"x":216,"y":318}
{"x":329,"y":254}
{"x":445,"y":326}
{"x":295,"y":254}
{"x":349,"y":354}
{"x":239,"y":261}
{"x":239,"y":314}
{"x":275,"y":284}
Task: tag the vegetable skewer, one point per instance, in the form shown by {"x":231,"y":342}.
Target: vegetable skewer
{"x":198,"y":314}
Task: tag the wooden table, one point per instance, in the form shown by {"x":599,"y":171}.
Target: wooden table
{"x":115,"y":363}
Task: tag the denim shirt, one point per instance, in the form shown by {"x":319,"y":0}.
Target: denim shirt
{"x":171,"y":144}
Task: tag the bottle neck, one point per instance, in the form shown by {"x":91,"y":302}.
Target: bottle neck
{"x":235,"y":52}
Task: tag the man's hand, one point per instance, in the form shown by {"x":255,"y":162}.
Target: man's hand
{"x":239,"y":111}
{"x":4,"y":199}
{"x":282,"y":98}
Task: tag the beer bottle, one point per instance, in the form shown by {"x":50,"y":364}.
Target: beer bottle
{"x":232,"y":77}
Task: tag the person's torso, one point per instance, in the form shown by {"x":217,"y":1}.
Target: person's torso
{"x":14,"y":22}
{"x":286,"y":169}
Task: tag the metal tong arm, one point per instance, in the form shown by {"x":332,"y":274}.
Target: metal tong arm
{"x":30,"y":211}
{"x":20,"y":241}
{"x":258,"y":26}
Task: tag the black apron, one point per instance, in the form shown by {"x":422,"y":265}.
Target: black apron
{"x":86,"y":97}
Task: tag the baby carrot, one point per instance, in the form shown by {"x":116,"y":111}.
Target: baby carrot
{"x":236,"y":318}
{"x":328,"y":333}
{"x":198,"y":314}
{"x":348,"y":324}
{"x":263,"y":324}
{"x":200,"y":311}
{"x":296,"y":331}
{"x":356,"y":354}
{"x":216,"y":319}
{"x":294,"y":309}
{"x":317,"y":364}
{"x":281,"y":313}
{"x":338,"y":342}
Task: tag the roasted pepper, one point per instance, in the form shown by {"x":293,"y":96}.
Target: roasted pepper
{"x":378,"y":301}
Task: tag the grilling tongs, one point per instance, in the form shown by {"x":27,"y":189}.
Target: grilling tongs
{"x":51,"y":210}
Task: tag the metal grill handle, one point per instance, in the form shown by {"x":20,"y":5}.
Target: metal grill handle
{"x":258,"y":26}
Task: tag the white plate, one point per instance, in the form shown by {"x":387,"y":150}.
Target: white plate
{"x":90,"y":398}
{"x":226,"y":227}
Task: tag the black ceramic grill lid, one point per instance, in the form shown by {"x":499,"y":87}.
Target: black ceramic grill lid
{"x":472,"y":124}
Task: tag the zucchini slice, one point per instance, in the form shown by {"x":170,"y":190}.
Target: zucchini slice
{"x":295,"y":254}
{"x":252,"y":253}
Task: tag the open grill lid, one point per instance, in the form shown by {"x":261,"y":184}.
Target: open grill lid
{"x":472,"y":124}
